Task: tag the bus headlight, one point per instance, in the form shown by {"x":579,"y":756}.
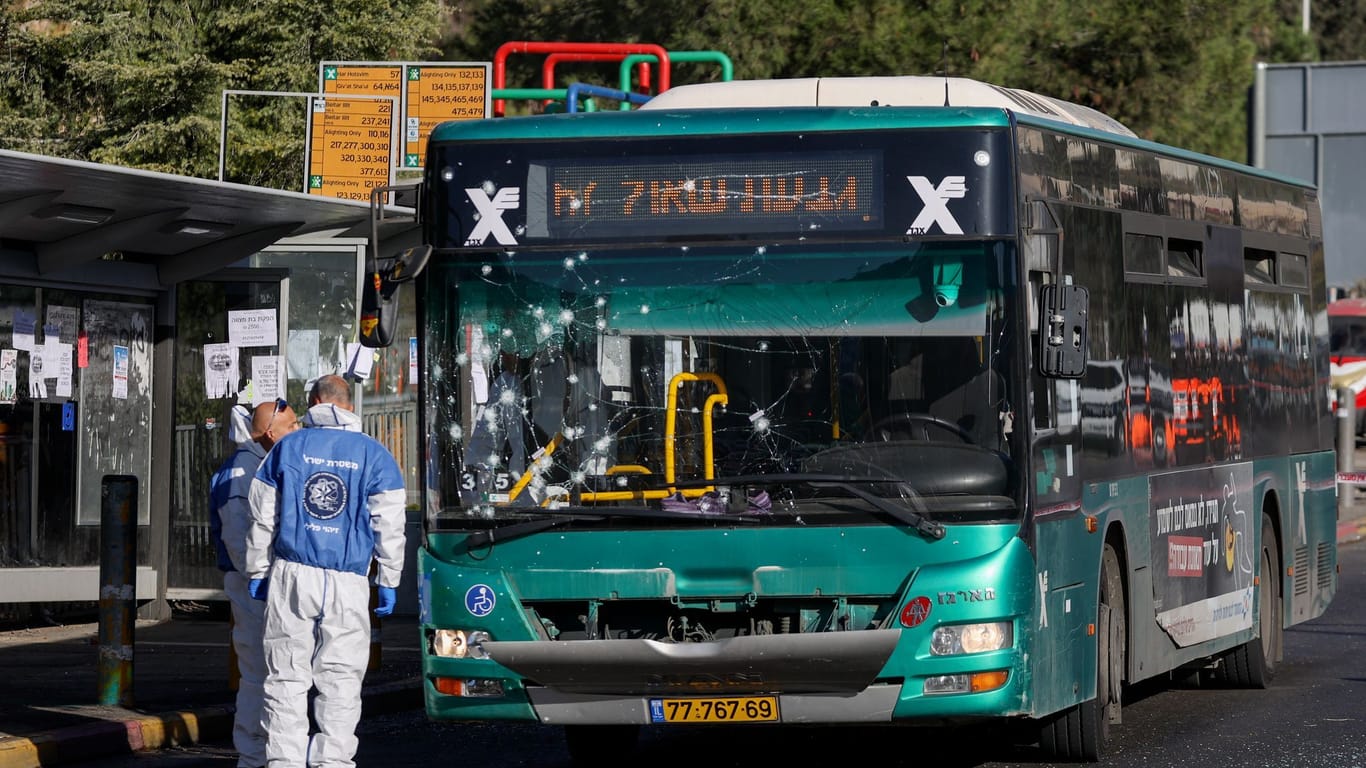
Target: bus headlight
{"x":958,"y":639}
{"x":457,"y":644}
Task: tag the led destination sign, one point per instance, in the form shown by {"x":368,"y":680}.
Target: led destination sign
{"x":787,"y":193}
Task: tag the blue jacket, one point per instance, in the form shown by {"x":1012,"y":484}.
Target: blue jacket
{"x":331,"y":497}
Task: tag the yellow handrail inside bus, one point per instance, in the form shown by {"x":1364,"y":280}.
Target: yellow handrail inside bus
{"x":531,"y":466}
{"x":670,"y":428}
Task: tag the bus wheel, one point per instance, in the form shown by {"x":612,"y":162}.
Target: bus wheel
{"x":600,"y":744}
{"x":1253,"y":664}
{"x":1081,"y":732}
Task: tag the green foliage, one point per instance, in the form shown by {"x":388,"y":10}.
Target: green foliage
{"x":1173,"y":70}
{"x":1340,"y":28}
{"x":140,"y":82}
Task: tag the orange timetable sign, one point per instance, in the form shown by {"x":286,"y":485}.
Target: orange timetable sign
{"x":350,"y":146}
{"x":437,"y":93}
{"x":363,"y":79}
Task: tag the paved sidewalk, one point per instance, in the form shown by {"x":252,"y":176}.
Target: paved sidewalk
{"x":180,"y":694}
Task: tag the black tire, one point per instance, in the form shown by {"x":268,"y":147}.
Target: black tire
{"x":1253,"y":664}
{"x":601,"y":745}
{"x":1082,"y":733}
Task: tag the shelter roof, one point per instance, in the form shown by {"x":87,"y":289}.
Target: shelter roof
{"x":59,"y":218}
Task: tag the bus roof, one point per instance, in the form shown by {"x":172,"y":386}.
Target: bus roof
{"x":898,"y":91}
{"x":684,"y":122}
{"x":840,"y":103}
{"x":1347,"y":308}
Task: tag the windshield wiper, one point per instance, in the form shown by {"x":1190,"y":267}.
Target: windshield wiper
{"x":923,"y":525}
{"x":552,"y":518}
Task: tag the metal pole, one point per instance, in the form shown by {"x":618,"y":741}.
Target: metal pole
{"x":118,"y":587}
{"x":1347,"y":445}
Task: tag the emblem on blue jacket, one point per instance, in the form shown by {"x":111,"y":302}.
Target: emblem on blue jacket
{"x":324,"y":495}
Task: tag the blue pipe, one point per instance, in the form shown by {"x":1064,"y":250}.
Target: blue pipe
{"x":572,"y":98}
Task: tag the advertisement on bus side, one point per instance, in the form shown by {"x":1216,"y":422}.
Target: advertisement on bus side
{"x":1203,"y":551}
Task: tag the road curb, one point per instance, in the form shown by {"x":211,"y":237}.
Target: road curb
{"x":175,"y":729}
{"x":87,"y":741}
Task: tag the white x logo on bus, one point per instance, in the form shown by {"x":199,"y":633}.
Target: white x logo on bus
{"x":491,"y":215}
{"x":936,"y":210}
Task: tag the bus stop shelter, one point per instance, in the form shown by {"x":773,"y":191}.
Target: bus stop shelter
{"x":113,"y":282}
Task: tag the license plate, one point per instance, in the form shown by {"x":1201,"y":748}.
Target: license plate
{"x":715,"y":709}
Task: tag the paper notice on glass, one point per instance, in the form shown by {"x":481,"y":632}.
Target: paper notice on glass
{"x":67,"y":321}
{"x":37,"y":384}
{"x":359,"y":361}
{"x":120,"y":372}
{"x":252,"y":328}
{"x":60,"y":364}
{"x":266,"y":381}
{"x":9,"y":378}
{"x":220,"y":370}
{"x":24,"y":324}
{"x":51,"y":333}
{"x":412,"y":360}
{"x":303,"y":354}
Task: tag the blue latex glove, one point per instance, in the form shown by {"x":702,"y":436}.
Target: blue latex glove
{"x":387,"y":598}
{"x":257,"y":589}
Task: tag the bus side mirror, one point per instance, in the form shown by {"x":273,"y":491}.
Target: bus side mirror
{"x":1062,"y":342}
{"x":378,"y":304}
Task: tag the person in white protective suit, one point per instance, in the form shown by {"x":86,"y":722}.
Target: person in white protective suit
{"x":229,"y":518}
{"x":326,"y":502}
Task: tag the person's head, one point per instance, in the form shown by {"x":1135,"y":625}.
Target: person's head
{"x":330,"y":389}
{"x":271,"y":421}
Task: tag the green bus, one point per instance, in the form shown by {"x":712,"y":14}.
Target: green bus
{"x":859,"y":400}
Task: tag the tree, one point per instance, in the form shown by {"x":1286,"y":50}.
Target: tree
{"x":1338,"y":26}
{"x":1173,"y":70}
{"x":119,"y":86}
{"x":139,"y":82}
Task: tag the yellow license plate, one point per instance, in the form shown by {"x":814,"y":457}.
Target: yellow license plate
{"x":715,"y":709}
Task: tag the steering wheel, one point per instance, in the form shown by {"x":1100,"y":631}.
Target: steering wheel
{"x":896,"y":425}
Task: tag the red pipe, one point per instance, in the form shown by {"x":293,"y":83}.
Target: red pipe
{"x":523,"y":46}
{"x":548,"y":68}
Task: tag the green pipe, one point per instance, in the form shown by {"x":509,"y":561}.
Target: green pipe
{"x":719,"y":57}
{"x":532,"y":93}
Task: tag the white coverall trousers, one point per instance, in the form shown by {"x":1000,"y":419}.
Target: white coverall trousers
{"x":317,"y":634}
{"x":248,"y":617}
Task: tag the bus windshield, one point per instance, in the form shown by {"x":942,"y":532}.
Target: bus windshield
{"x":590,"y":378}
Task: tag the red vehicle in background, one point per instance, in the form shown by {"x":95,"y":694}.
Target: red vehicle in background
{"x":1347,"y":351}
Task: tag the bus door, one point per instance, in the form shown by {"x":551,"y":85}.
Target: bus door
{"x":1055,"y":402}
